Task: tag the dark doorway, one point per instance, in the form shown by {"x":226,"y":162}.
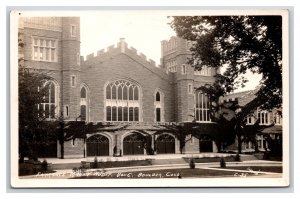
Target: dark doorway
{"x":165,"y":144}
{"x":134,"y":144}
{"x":97,"y":145}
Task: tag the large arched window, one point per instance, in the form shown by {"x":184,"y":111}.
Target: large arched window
{"x":84,"y":103}
{"x":202,"y":107}
{"x":122,"y":101}
{"x":49,"y":107}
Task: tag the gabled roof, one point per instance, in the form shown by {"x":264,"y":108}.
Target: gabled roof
{"x":243,"y":97}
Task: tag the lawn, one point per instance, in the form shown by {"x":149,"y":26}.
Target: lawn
{"x":164,"y":173}
{"x":211,"y":159}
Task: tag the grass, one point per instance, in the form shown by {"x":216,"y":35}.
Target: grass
{"x":164,"y":173}
{"x":129,"y":163}
{"x":211,"y":159}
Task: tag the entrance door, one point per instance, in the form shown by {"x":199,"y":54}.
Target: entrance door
{"x":97,"y":145}
{"x":206,"y":146}
{"x":165,"y":144}
{"x":133,"y":144}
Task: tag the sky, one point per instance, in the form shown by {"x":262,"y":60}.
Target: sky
{"x":143,"y":30}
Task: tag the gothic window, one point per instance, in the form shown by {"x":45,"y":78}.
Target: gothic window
{"x":50,"y":103}
{"x":202,"y":107}
{"x":84,"y":103}
{"x":157,"y":97}
{"x":122,"y":101}
{"x":158,"y":107}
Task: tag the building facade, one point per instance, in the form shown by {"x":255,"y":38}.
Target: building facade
{"x":268,"y":130}
{"x":116,"y":86}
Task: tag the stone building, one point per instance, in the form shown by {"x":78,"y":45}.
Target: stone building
{"x":116,"y":86}
{"x":269,"y":125}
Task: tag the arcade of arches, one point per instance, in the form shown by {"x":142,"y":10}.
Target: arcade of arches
{"x":132,"y":144}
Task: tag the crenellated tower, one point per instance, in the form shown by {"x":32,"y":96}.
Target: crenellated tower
{"x":175,"y":54}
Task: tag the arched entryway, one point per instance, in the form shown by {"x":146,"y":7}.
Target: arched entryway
{"x":133,"y":144}
{"x":97,"y":145}
{"x":165,"y":144}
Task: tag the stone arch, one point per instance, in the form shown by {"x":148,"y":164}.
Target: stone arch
{"x":132,"y":143}
{"x":56,"y":103}
{"x":106,"y":135}
{"x":165,"y":143}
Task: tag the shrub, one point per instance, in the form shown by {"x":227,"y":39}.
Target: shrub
{"x":95,"y":163}
{"x":75,"y":169}
{"x":26,"y":169}
{"x":192,"y":163}
{"x":222,"y":163}
{"x":237,"y":157}
{"x":266,"y":155}
{"x":44,"y":166}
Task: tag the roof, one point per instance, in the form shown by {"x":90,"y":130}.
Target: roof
{"x":243,"y":97}
{"x":276,"y":129}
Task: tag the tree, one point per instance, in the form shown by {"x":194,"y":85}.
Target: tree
{"x":33,"y":129}
{"x":239,"y":44}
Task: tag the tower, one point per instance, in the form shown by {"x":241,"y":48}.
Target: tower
{"x":175,"y":54}
{"x":70,"y":82}
{"x":174,"y":57}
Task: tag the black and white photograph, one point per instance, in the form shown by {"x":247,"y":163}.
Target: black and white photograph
{"x":149,"y":98}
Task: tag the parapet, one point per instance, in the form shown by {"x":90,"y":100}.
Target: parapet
{"x":122,"y":47}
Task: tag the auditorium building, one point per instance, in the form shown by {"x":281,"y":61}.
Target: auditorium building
{"x":117,"y":86}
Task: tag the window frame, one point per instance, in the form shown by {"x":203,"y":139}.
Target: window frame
{"x":73,"y":30}
{"x":202,"y":107}
{"x":50,"y":47}
{"x":264,"y":117}
{"x":190,"y":88}
{"x":131,"y":104}
{"x":159,"y":105}
{"x":84,"y":101}
{"x":55,"y":103}
{"x":183,"y":69}
{"x":73,"y":80}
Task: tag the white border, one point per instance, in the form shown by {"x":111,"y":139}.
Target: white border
{"x":207,"y":182}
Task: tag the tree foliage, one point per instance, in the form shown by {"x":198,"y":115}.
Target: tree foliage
{"x":33,"y":129}
{"x":240,"y":44}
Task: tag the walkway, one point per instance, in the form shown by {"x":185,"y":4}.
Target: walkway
{"x":68,"y":173}
{"x":167,"y":162}
{"x":142,"y":157}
